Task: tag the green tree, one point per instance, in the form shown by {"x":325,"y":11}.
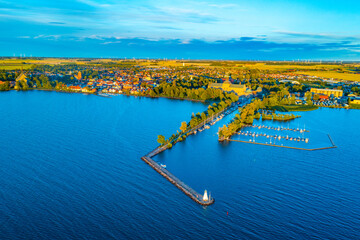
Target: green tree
{"x":152,"y":93}
{"x":17,"y":85}
{"x":183,"y":126}
{"x":38,"y":83}
{"x":308,"y":96}
{"x":203,"y":116}
{"x":24,"y":85}
{"x":316,"y":97}
{"x":161,"y":139}
{"x":5,"y":86}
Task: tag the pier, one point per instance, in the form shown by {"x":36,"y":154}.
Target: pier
{"x":332,"y":142}
{"x":195,"y":196}
{"x":274,"y":145}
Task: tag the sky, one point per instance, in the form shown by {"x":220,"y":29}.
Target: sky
{"x":187,"y":29}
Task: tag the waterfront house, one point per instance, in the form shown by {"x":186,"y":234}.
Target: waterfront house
{"x":75,"y":88}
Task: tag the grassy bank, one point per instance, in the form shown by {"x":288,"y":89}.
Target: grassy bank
{"x":292,"y":108}
{"x":354,"y":106}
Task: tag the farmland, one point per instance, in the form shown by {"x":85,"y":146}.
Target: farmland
{"x":332,"y":74}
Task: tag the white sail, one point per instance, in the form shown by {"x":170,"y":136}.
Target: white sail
{"x":205,"y":197}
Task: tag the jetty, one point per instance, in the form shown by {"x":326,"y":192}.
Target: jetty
{"x":203,"y":200}
{"x":281,"y":146}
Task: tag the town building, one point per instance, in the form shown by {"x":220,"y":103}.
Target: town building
{"x":227,"y":86}
{"x":335,"y":92}
{"x":78,"y":76}
{"x":355,"y":100}
{"x":22,"y":78}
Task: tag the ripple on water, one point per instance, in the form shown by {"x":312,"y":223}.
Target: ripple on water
{"x":70,"y":168}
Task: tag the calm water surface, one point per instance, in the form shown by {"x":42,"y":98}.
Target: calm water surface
{"x":70,"y":168}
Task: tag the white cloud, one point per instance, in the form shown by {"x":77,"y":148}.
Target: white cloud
{"x":106,"y":43}
{"x":53,"y":37}
{"x":94,"y":4}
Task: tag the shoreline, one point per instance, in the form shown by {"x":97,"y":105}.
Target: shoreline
{"x":174,"y":98}
{"x":110,"y":94}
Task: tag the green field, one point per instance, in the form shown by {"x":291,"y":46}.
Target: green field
{"x":15,"y":66}
{"x":355,"y":106}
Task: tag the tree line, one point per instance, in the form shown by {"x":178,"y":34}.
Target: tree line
{"x":173,"y":90}
{"x":197,"y":119}
{"x":246,"y":117}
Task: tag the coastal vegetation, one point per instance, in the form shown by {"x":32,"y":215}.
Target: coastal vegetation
{"x":246,"y":117}
{"x":294,"y":107}
{"x":161,"y":139}
{"x":355,"y":106}
{"x":4,"y":86}
{"x":183,"y":89}
{"x":279,"y":117}
{"x":197,"y":120}
{"x":283,"y":101}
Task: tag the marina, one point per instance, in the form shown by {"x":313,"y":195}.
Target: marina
{"x":284,"y":135}
{"x":275,"y":137}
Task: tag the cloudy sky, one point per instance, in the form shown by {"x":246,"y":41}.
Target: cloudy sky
{"x":202,"y":29}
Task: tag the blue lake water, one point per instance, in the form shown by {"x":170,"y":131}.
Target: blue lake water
{"x":70,"y":168}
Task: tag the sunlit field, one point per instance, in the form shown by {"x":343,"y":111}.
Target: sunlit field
{"x":332,"y":74}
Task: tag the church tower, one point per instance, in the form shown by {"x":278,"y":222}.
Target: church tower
{"x":79,"y":75}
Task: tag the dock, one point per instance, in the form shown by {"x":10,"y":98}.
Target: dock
{"x":274,"y":145}
{"x":195,"y":196}
{"x":332,"y":142}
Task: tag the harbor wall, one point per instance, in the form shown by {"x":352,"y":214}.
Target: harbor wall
{"x":198,"y":198}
